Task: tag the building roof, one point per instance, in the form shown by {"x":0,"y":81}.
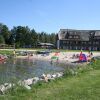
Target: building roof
{"x":84,"y":35}
{"x":44,"y":44}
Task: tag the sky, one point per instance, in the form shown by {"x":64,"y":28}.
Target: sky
{"x":51,"y":15}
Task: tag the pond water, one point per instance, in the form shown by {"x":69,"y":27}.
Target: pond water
{"x":19,"y":69}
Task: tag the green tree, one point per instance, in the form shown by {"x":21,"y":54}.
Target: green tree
{"x":4,"y":31}
{"x":53,"y":38}
{"x":34,"y":38}
{"x":2,"y":41}
{"x":22,"y":36}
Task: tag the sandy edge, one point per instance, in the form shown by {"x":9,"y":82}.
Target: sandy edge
{"x":65,"y":57}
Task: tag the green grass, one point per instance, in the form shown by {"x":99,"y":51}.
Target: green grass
{"x":83,"y":86}
{"x":8,"y":52}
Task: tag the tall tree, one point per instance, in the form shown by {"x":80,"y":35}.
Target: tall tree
{"x":2,"y":41}
{"x":53,"y":38}
{"x":34,"y":37}
{"x":22,"y":36}
{"x":4,"y":31}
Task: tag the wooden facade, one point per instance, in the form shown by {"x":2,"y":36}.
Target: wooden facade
{"x":78,"y":39}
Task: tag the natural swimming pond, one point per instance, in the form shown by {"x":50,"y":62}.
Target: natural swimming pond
{"x":19,"y":69}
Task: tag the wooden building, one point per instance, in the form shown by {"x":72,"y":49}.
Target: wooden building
{"x":78,"y":39}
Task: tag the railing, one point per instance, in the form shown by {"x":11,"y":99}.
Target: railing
{"x":5,"y":46}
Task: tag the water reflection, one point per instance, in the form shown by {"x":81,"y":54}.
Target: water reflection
{"x":18,"y":68}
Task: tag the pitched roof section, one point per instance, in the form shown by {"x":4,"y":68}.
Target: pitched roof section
{"x":84,"y":35}
{"x":48,"y":44}
{"x":97,"y":33}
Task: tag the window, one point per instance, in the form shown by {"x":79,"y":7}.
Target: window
{"x":70,"y":42}
{"x":96,"y":42}
{"x":89,"y":42}
{"x":76,"y":42}
{"x":70,"y":37}
{"x":97,"y":37}
{"x":64,"y":42}
{"x":84,"y":42}
{"x":67,"y":42}
{"x":76,"y":36}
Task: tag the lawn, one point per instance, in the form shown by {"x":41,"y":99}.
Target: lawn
{"x":8,"y":52}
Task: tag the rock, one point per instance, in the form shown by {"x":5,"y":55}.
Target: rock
{"x":28,"y":81}
{"x":43,"y":76}
{"x":54,"y":76}
{"x":2,"y":89}
{"x":59,"y":74}
{"x":25,"y":84}
{"x":49,"y":76}
{"x":5,"y":87}
{"x":35,"y":80}
{"x":27,"y":87}
{"x":6,"y":84}
{"x":9,"y":86}
{"x":21,"y":83}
